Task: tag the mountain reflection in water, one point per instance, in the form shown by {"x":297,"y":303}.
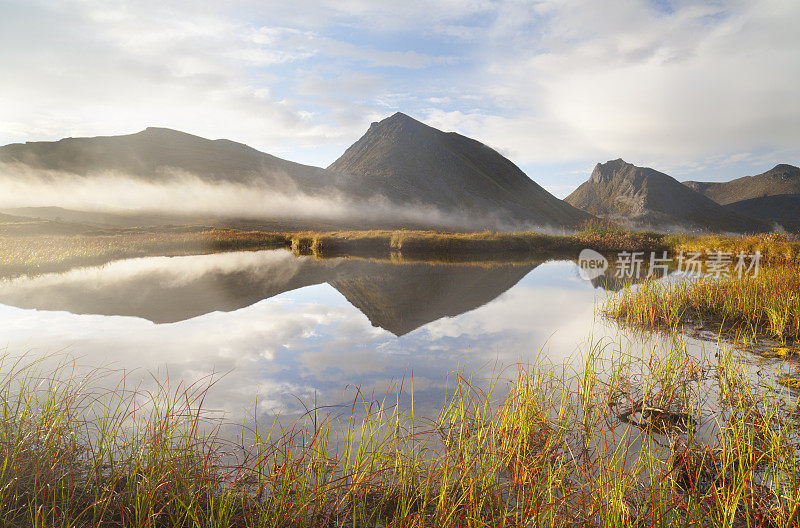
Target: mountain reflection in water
{"x":396,"y":297}
{"x":288,"y":332}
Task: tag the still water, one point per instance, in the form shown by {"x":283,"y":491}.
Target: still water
{"x":279,"y":333}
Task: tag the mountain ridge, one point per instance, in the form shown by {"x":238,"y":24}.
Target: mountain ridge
{"x":644,"y":197}
{"x":434,"y":178}
{"x":148,"y":154}
{"x":781,"y":179}
{"x":455,"y":171}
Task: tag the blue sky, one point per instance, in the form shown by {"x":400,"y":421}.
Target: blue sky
{"x":700,"y":90}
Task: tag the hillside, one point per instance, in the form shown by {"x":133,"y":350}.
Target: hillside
{"x":158,"y":154}
{"x":645,"y":197}
{"x":780,"y":210}
{"x":781,"y":179}
{"x":401,"y":174}
{"x":413,"y":164}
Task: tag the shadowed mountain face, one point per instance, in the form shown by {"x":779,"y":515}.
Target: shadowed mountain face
{"x":780,"y":207}
{"x":647,"y":198}
{"x":158,"y":154}
{"x":402,"y":173}
{"x":781,"y":179}
{"x":396,"y":297}
{"x":416,"y":164}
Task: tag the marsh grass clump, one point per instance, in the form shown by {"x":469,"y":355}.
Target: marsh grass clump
{"x":671,"y":441}
{"x":441,"y":244}
{"x":28,"y":253}
{"x":766,"y":305}
{"x":777,"y":248}
{"x":606,"y":236}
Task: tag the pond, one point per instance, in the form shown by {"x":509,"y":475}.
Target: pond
{"x":278,"y":333}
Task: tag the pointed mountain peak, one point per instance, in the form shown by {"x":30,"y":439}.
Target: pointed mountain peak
{"x":604,"y":172}
{"x":616,"y":164}
{"x":399,"y":122}
{"x":400,"y":117}
{"x":163,"y":132}
{"x":645,"y":197}
{"x":418,"y":164}
{"x":784,"y":167}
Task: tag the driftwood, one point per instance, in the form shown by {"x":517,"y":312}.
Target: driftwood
{"x":662,"y":420}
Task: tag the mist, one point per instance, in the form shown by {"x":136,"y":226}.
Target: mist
{"x":184,"y":194}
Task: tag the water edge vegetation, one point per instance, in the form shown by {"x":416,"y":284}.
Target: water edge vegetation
{"x":616,"y":440}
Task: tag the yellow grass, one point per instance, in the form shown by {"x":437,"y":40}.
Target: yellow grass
{"x":43,"y":253}
{"x":772,"y":246}
{"x":766,"y":304}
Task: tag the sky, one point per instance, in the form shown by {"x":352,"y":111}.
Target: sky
{"x":699,"y":90}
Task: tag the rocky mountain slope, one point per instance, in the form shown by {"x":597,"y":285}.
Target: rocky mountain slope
{"x":402,"y":173}
{"x":413,"y":163}
{"x":781,"y":179}
{"x":645,"y":197}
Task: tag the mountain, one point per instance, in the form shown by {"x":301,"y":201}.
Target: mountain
{"x":780,"y":207}
{"x":781,"y":179}
{"x":158,"y":154}
{"x":402,"y":173}
{"x":415,"y":164}
{"x":645,"y":197}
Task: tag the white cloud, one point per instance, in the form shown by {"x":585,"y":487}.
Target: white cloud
{"x":624,"y":79}
{"x":104,"y":68}
{"x":677,"y":85}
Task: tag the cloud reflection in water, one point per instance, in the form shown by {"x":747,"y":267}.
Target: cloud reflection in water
{"x":280,"y":332}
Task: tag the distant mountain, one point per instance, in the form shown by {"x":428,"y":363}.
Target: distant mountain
{"x":11,"y":224}
{"x":158,"y":154}
{"x":413,"y":163}
{"x":780,"y":210}
{"x":402,"y":173}
{"x":781,"y":179}
{"x":645,"y":197}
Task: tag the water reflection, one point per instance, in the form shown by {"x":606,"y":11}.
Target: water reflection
{"x":289,"y":332}
{"x":396,"y":297}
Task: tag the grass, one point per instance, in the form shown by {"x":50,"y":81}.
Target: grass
{"x":553,"y":452}
{"x":774,"y":247}
{"x":48,"y":253}
{"x":764,"y":305}
{"x":668,"y":440}
{"x":416,"y":244}
{"x":602,"y":236}
{"x":32,"y":253}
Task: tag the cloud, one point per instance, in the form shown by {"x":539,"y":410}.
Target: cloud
{"x":673,"y":85}
{"x":90,"y":68}
{"x":290,"y":349}
{"x":597,"y":80}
